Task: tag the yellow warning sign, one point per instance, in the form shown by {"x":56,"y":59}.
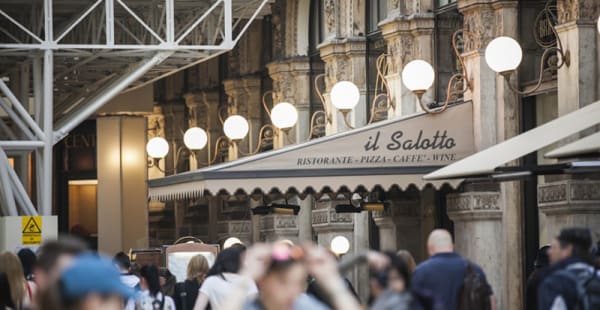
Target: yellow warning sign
{"x":32,"y":230}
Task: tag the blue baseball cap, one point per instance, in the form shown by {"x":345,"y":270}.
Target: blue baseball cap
{"x":91,"y":273}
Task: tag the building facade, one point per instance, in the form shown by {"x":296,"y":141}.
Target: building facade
{"x":282,"y":59}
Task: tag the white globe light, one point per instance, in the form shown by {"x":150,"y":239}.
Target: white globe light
{"x":340,"y":245}
{"x":230,"y":242}
{"x":503,"y":54}
{"x":157,"y":147}
{"x":195,"y":138}
{"x":599,"y":24}
{"x":418,"y":75}
{"x":284,"y":115}
{"x":344,"y":95}
{"x":236,"y":127}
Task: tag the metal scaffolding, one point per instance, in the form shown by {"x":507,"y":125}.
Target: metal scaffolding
{"x":61,"y":60}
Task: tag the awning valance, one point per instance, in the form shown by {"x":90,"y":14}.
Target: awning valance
{"x":388,"y":154}
{"x":487,"y":161}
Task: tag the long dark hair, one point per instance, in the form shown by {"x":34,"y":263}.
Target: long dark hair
{"x":28,"y":260}
{"x":150,"y":274}
{"x":228,"y":260}
{"x":5,"y":296}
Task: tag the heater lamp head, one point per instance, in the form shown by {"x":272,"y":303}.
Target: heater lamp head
{"x":347,"y":208}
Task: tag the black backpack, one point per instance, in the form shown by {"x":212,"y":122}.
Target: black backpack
{"x":475,"y":292}
{"x":587,"y":279}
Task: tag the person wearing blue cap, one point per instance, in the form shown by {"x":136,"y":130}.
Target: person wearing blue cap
{"x":92,"y":282}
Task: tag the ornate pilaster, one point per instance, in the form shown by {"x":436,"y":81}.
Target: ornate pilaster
{"x":174,"y":111}
{"x":408,"y":38}
{"x":291,"y":83}
{"x":345,"y":61}
{"x":477,"y":217}
{"x":569,"y":202}
{"x":279,"y":227}
{"x":241,"y":229}
{"x":496,"y":118}
{"x":577,"y":83}
{"x":236,"y":104}
{"x":156,"y":124}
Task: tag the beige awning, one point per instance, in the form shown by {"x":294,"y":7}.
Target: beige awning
{"x":486,"y":161}
{"x":387,"y":154}
{"x":584,"y":146}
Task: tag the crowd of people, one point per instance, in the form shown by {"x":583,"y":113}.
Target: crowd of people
{"x":65,"y":275}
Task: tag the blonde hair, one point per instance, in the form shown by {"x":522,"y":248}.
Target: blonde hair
{"x":197,"y":267}
{"x":11,"y":265}
{"x":408,"y":260}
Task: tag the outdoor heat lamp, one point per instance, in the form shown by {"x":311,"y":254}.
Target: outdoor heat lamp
{"x":275,"y":208}
{"x":364,"y":206}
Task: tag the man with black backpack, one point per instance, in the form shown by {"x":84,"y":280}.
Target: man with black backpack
{"x":455,"y":282}
{"x":573,"y":282}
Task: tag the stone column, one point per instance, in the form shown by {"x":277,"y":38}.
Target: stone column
{"x":253,"y":108}
{"x":241,"y":229}
{"x":122,"y":173}
{"x":175,"y":124}
{"x":578,"y":82}
{"x":477,"y":217}
{"x":156,"y":128}
{"x":408,"y":38}
{"x":214,"y":128}
{"x":572,"y":200}
{"x":236,"y":96}
{"x":496,"y":118}
{"x":291,"y":83}
{"x":345,"y":61}
{"x":197,"y":108}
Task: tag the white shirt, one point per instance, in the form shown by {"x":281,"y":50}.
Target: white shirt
{"x":145,"y":301}
{"x":218,"y":289}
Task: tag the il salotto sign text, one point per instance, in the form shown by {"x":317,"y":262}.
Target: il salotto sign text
{"x":426,"y":140}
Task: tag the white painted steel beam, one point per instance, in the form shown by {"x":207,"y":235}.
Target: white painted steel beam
{"x":73,"y":119}
{"x":161,"y":36}
{"x":9,"y":199}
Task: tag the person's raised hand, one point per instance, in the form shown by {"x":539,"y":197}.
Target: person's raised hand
{"x":377,"y":261}
{"x":256,"y":261}
{"x":321,"y":263}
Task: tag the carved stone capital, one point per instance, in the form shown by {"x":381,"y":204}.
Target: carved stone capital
{"x":569,"y":196}
{"x":344,"y":60}
{"x":278,"y":223}
{"x":474,"y":206}
{"x":329,"y":220}
{"x":240,"y":229}
{"x":291,"y":80}
{"x":577,"y":10}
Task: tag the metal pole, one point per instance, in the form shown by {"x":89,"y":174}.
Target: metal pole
{"x":77,"y":116}
{"x":11,"y":145}
{"x":21,"y":110}
{"x":23,"y":162}
{"x":228,"y":21}
{"x":3,"y":127}
{"x":11,"y":207}
{"x":46,"y":206}
{"x":15,"y":118}
{"x":170,"y":12}
{"x":38,"y":89}
{"x":21,"y":194}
